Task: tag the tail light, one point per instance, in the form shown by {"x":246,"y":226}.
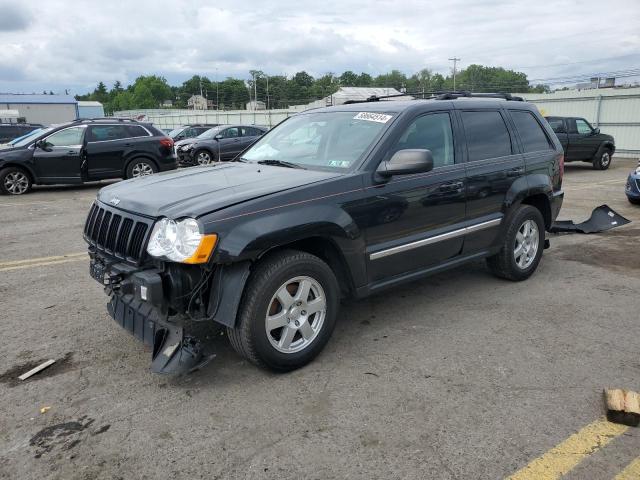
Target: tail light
{"x":166,"y":142}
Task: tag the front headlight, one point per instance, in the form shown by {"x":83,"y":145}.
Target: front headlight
{"x":181,"y":241}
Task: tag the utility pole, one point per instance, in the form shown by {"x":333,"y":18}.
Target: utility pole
{"x":455,"y":70}
{"x":267,"y":91}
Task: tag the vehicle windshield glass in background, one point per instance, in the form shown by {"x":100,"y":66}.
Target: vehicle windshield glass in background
{"x":176,"y":131}
{"x":30,"y":137}
{"x":334,"y":140}
{"x":209,"y":134}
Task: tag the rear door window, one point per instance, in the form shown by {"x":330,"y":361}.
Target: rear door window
{"x":232,"y":132}
{"x":136,"y":131}
{"x":487,"y":135}
{"x":531,"y":134}
{"x":556,"y":124}
{"x":103,"y":133}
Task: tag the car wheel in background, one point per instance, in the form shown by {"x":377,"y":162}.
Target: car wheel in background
{"x":602,"y":160}
{"x":140,"y":167}
{"x":14,"y":181}
{"x":635,"y":201}
{"x":203,"y":157}
{"x":522,"y":245}
{"x":288,"y":311}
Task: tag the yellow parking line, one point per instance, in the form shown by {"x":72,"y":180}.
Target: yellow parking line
{"x":42,"y":261}
{"x":631,"y":471}
{"x":566,"y":455}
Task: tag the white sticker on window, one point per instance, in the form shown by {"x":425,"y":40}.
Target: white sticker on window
{"x":373,"y":117}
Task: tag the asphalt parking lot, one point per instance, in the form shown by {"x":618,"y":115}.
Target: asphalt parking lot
{"x":459,"y":376}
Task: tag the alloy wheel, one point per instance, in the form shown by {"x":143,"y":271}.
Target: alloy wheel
{"x":295,"y":314}
{"x":605,"y":159}
{"x":527,"y":244}
{"x":16,"y":183}
{"x":141,"y":169}
{"x":204,"y":158}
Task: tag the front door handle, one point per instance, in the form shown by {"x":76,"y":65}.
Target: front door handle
{"x":451,"y":187}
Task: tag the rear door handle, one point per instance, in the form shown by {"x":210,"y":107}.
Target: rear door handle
{"x":515,"y":172}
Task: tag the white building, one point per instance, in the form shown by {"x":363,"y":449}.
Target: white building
{"x":345,"y":94}
{"x":45,"y":109}
{"x":256,"y":105}
{"x":198,"y":102}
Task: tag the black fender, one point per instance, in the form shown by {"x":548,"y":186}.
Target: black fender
{"x":606,"y":144}
{"x":250,"y":238}
{"x":226,"y":292}
{"x":534,"y":189}
{"x":23,"y":166}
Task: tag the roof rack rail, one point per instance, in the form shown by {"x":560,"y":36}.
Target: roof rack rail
{"x":107,"y":119}
{"x":440,"y":95}
{"x":464,"y":94}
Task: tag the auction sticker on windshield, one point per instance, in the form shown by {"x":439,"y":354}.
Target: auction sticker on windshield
{"x":373,"y":117}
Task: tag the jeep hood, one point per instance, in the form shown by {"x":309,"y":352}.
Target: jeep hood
{"x":195,"y":191}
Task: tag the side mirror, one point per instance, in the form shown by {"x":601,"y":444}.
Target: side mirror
{"x":596,"y":131}
{"x":407,"y":161}
{"x":560,"y":130}
{"x":43,"y":145}
{"x":218,"y":137}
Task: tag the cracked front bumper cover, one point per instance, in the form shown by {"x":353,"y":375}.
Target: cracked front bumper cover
{"x":174,"y":351}
{"x":602,"y":218}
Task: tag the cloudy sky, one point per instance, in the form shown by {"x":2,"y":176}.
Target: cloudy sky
{"x":67,"y":44}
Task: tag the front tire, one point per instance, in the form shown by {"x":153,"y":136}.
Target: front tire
{"x":203,"y":157}
{"x":140,"y":167}
{"x":288,"y":311}
{"x":522,"y":245}
{"x":14,"y":181}
{"x":602,"y":160}
{"x":635,"y":201}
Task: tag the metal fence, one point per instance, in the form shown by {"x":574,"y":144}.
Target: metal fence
{"x":163,"y":118}
{"x":614,"y":111}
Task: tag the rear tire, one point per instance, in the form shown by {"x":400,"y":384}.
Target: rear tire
{"x":602,"y":160}
{"x":140,"y":167}
{"x":281,"y":324}
{"x":635,"y":201}
{"x":14,"y":181}
{"x":522,"y":245}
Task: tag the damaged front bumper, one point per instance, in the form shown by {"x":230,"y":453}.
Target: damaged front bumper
{"x":137,"y":303}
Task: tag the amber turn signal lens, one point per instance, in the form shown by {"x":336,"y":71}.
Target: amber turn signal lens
{"x":203,"y":253}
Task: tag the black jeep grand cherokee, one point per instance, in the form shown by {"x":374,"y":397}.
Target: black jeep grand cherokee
{"x":335,"y":202}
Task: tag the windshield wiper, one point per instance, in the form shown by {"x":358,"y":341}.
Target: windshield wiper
{"x":280,"y":163}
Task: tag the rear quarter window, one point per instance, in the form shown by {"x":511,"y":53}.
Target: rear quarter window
{"x":531,"y":134}
{"x":487,"y":135}
{"x":136,"y":131}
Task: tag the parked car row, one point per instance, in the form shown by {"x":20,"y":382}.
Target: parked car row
{"x":85,"y":150}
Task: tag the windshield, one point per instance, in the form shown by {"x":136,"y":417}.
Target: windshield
{"x":26,"y":139}
{"x":176,"y":131}
{"x":209,"y":134}
{"x":333,"y":140}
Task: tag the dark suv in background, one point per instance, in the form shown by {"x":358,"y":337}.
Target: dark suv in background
{"x":85,"y":150}
{"x":11,"y":131}
{"x":583,"y":143}
{"x":267,"y":245}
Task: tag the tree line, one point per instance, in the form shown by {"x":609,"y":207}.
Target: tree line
{"x":279,"y":91}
